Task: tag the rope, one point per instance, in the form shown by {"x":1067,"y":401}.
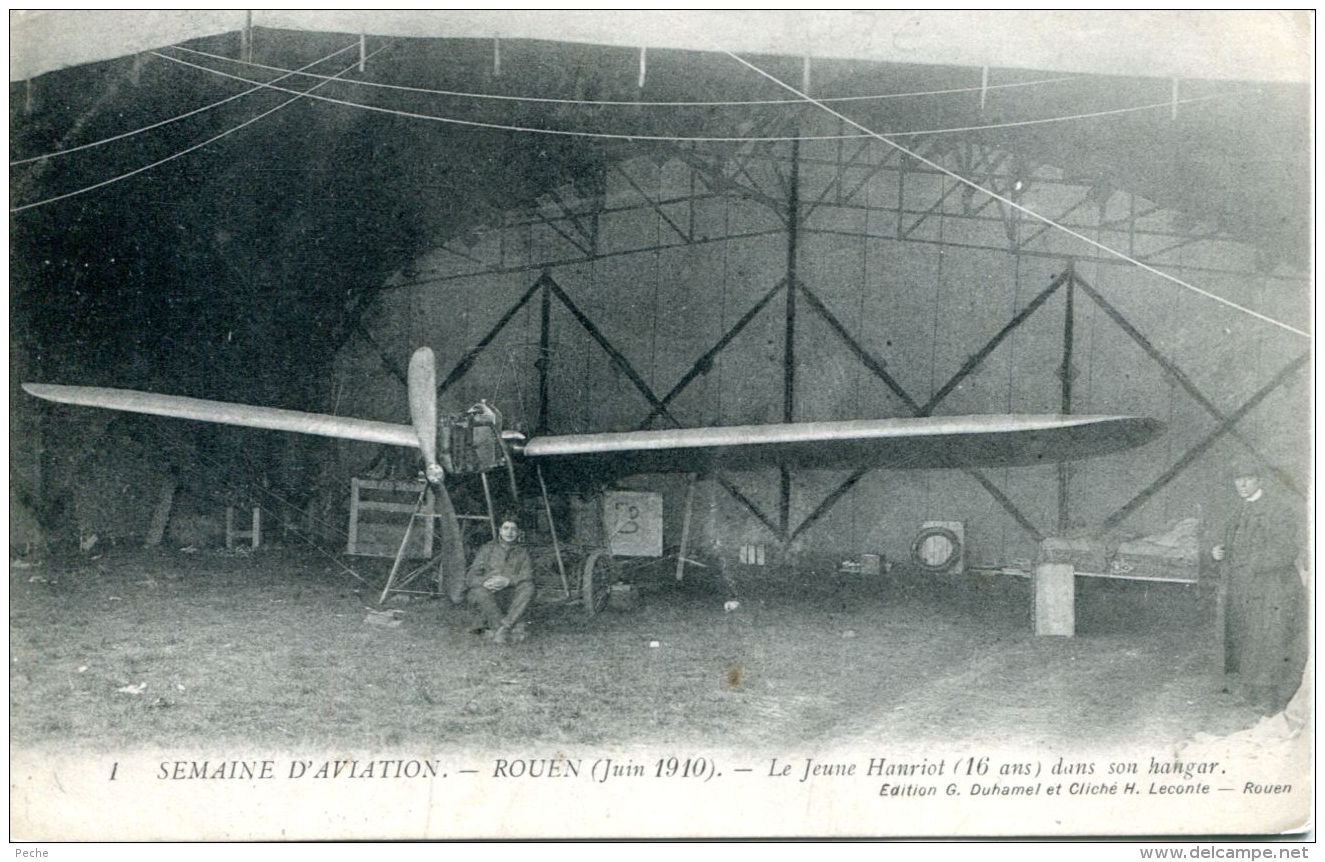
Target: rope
{"x":183,"y":116}
{"x":729,"y":139}
{"x":244,"y":456}
{"x":223,"y":475}
{"x":248,"y":462}
{"x":637,"y":103}
{"x":187,"y":150}
{"x":1044,"y":219}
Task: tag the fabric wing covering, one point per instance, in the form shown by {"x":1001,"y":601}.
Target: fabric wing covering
{"x":922,"y":443}
{"x":919,"y":443}
{"x":226,"y":413}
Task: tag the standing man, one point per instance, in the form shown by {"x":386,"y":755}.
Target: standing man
{"x":1263,"y":597}
{"x":502,"y":572}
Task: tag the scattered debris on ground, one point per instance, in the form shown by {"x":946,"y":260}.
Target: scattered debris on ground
{"x":272,"y":640}
{"x":389,"y":619}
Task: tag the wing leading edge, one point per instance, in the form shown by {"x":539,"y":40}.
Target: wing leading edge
{"x":226,"y":413}
{"x":920,"y":443}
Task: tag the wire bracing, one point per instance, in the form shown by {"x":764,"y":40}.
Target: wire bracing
{"x":157,"y":125}
{"x":183,"y":152}
{"x":863,"y":132}
{"x":636,"y":103}
{"x":712,"y":139}
{"x":1024,"y":209}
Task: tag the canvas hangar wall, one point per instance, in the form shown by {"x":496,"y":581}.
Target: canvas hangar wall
{"x":905,"y":278}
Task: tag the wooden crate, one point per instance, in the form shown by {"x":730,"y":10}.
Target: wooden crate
{"x":380,"y":511}
{"x":1055,"y":599}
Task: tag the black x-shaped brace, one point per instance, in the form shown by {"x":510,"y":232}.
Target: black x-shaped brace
{"x":659,"y":406}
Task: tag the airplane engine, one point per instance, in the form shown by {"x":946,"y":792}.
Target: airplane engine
{"x":467,"y":444}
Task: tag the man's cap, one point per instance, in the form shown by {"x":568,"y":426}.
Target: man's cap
{"x":1245,"y":465}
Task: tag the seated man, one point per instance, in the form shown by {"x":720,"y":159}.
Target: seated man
{"x":502,"y":570}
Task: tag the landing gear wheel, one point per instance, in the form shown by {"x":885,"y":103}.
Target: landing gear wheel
{"x":595,"y":581}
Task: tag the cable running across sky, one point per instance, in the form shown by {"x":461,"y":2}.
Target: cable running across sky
{"x":863,"y":133}
{"x":728,"y":139}
{"x":1023,"y":209}
{"x":187,"y":150}
{"x":632,"y":103}
{"x":176,"y":119}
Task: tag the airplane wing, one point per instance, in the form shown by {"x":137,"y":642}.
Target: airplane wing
{"x":919,"y":443}
{"x":226,"y":413}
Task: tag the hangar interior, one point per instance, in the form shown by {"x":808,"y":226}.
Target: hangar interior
{"x":597,"y":237}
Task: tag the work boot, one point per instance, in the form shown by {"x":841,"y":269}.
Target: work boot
{"x":500,"y":635}
{"x":519,"y":633}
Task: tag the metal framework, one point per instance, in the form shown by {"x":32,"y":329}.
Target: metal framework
{"x":729,"y":172}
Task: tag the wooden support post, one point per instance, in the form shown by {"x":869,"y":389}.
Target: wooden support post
{"x":1221,"y":613}
{"x":1131,"y":225}
{"x":901,"y":193}
{"x":552,"y":527}
{"x":246,"y":38}
{"x":253,"y":534}
{"x":404,"y":541}
{"x":496,"y":58}
{"x":487,"y":498}
{"x":685,"y":528}
{"x":1055,"y":599}
{"x":352,"y":541}
{"x":1065,"y":372}
{"x":544,"y":360}
{"x":156,"y":531}
{"x":363,"y":51}
{"x":789,"y":331}
{"x":643,"y":66}
{"x":984,"y":86}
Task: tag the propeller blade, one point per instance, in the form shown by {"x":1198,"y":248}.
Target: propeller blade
{"x":423,"y":402}
{"x":453,"y":548}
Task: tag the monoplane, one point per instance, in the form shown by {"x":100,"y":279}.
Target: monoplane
{"x":476,"y":442}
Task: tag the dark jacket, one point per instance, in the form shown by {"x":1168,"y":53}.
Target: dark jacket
{"x":499,"y":558}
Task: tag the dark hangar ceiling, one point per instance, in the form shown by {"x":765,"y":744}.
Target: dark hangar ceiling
{"x":291,"y":221}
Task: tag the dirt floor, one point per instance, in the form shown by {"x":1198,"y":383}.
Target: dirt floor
{"x":172,"y":649}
